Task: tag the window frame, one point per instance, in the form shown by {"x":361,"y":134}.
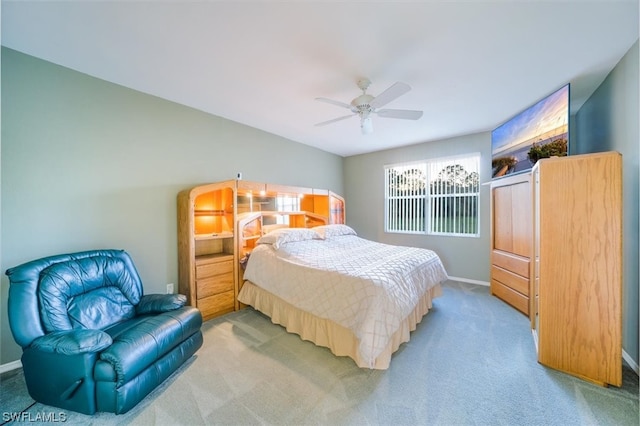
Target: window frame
{"x":431,"y":168}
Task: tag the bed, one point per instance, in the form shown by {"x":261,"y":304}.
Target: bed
{"x":357,"y":297}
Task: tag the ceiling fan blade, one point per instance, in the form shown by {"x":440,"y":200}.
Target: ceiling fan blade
{"x":332,"y":102}
{"x":407,"y":114}
{"x":396,"y":90}
{"x":324,"y":123}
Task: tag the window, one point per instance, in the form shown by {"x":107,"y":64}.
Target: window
{"x":437,"y":197}
{"x":286,"y":203}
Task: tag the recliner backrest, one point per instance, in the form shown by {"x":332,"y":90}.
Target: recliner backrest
{"x":93,"y":292}
{"x":24,"y":304}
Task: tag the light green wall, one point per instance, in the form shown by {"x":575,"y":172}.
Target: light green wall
{"x":463,"y":257}
{"x":88,"y":164}
{"x":608,"y":121}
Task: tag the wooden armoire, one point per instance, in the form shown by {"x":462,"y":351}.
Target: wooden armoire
{"x":578,"y":265}
{"x":557,"y":257}
{"x":512,"y":240}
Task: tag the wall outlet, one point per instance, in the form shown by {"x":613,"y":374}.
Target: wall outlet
{"x":170,"y":288}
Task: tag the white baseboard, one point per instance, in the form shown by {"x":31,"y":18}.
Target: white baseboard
{"x":470,"y":281}
{"x":13,"y":365}
{"x":630,"y":361}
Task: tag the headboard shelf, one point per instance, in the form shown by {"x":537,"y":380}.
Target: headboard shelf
{"x":226,"y":219}
{"x":209,"y":212}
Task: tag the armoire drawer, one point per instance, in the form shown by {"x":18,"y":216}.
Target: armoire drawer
{"x":511,"y":262}
{"x":514,"y":281}
{"x":512,"y":297}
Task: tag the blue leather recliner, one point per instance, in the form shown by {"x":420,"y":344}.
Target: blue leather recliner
{"x":91,"y":340}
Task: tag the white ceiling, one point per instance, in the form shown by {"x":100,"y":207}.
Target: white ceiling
{"x":471,"y":64}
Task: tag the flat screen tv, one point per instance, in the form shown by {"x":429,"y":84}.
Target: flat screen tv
{"x":540,"y":131}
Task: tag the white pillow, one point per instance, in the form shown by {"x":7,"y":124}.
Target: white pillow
{"x":281,"y":236}
{"x":328,"y":231}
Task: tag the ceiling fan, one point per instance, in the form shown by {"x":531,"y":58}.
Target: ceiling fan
{"x":365,"y":105}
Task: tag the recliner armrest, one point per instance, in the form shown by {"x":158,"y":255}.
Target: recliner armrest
{"x":73,"y":342}
{"x":159,"y":303}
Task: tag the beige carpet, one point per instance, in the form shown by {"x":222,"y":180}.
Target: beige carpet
{"x":470,"y":362}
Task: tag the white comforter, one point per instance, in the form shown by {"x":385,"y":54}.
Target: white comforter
{"x":367,"y":287}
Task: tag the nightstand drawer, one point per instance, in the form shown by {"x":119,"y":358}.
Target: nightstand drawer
{"x":216,"y":305}
{"x":213,"y":285}
{"x":214,"y":268}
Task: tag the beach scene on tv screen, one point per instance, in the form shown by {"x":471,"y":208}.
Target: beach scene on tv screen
{"x":540,"y":131}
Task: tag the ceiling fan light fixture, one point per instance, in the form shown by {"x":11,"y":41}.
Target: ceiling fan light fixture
{"x":362,"y":103}
{"x":366,"y":125}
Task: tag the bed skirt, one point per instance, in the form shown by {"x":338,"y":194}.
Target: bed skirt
{"x":323,"y":332}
